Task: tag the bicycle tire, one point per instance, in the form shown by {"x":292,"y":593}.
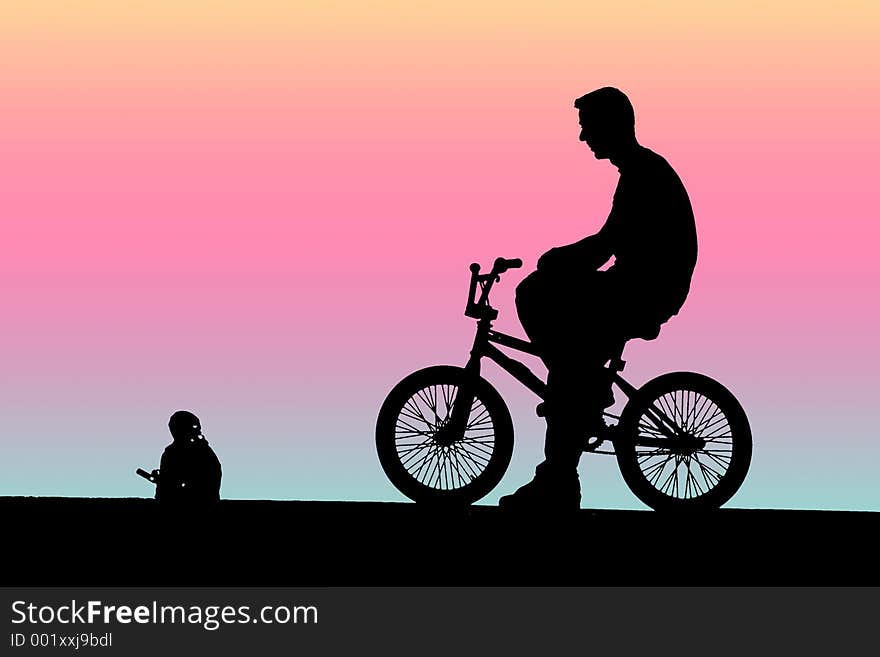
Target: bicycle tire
{"x":702,"y":407}
{"x":457,"y":475}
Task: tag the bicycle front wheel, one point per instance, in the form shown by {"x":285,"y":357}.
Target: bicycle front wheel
{"x":459,"y":471}
{"x":700,"y":472}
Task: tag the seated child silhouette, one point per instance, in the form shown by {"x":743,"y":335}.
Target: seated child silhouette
{"x":189,"y":472}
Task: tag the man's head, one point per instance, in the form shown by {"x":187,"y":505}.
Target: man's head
{"x":607,"y":122}
{"x":184,"y":425}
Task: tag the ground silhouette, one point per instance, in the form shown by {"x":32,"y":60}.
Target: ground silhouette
{"x":135,"y":542}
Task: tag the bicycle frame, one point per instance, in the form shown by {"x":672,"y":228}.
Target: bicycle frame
{"x":484,"y":347}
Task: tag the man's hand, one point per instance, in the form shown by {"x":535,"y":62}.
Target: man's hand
{"x":555,"y":258}
{"x":588,"y":254}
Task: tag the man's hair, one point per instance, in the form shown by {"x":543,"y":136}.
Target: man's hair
{"x":609,"y":107}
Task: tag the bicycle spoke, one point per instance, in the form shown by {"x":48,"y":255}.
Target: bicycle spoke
{"x":477,"y":464}
{"x":695,"y":484}
{"x":410,"y":427}
{"x":411,"y":460}
{"x":707,"y":411}
{"x":430,"y":462}
{"x":405,"y":438}
{"x":711,"y":476}
{"x":413,"y":448}
{"x":434,"y":470}
{"x":663,"y":403}
{"x":476,"y":452}
{"x":477,"y":467}
{"x":711,"y":419}
{"x":445,"y":467}
{"x":715,"y":433}
{"x":721,"y":462}
{"x":422,"y":462}
{"x":425,"y":399}
{"x":475,"y":448}
{"x":443,"y":474}
{"x":465,"y":474}
{"x":717,"y":420}
{"x":482,"y":418}
{"x":651,"y":428}
{"x":698,"y":410}
{"x":414,"y":418}
{"x":418,"y":411}
{"x":672,"y":477}
{"x":728,"y":441}
{"x":449,"y":398}
{"x":409,"y":446}
{"x":675,"y":409}
{"x":479,"y":435}
{"x":417,"y":457}
{"x":432,"y":395}
{"x":464,"y":465}
{"x":452,"y":468}
{"x":443,"y":477}
{"x":455,"y":464}
{"x":471,"y":464}
{"x":654,"y":472}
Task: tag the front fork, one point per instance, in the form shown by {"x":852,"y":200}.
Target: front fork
{"x":464,"y":399}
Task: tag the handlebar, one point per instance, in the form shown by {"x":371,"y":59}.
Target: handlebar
{"x":500,"y":266}
{"x":480,"y":308}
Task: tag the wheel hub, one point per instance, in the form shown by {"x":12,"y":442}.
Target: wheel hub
{"x":445,"y":436}
{"x":686,"y":445}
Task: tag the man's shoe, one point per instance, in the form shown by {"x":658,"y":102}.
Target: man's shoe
{"x":546,"y":493}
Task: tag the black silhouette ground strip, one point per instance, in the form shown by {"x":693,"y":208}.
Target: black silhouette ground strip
{"x":135,"y":542}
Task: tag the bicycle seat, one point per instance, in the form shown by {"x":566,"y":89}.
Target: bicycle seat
{"x":648,"y":332}
{"x":644,"y":330}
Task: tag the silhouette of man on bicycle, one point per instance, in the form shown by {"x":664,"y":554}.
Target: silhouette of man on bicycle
{"x":579,"y":316}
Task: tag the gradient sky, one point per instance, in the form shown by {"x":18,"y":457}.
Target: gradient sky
{"x":264,"y":211}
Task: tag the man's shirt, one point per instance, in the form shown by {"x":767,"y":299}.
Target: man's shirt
{"x":651,"y":233}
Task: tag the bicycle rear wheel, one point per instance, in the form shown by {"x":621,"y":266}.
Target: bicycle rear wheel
{"x":658,"y":470}
{"x":456,"y":472}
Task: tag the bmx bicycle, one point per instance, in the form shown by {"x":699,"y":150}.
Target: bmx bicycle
{"x":444,"y":435}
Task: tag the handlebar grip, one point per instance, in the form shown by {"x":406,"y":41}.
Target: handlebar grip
{"x":503,"y":264}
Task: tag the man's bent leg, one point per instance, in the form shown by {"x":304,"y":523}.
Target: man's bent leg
{"x":556,"y":485}
{"x":542,"y":311}
{"x":573,"y":410}
{"x":571,"y":345}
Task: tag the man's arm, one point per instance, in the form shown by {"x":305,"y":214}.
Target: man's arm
{"x":590,"y":253}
